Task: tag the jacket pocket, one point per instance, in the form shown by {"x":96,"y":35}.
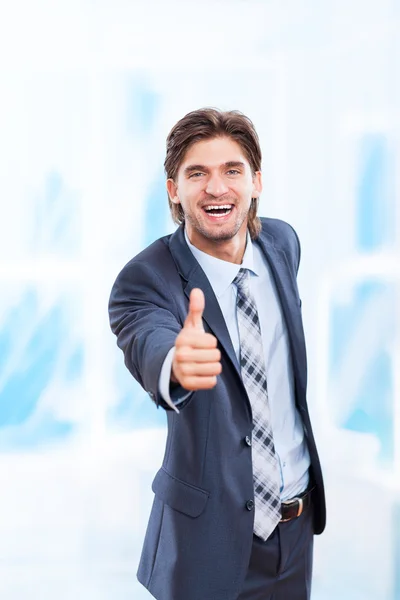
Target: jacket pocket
{"x":179,"y":495}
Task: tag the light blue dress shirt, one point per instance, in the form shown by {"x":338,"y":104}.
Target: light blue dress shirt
{"x":290,"y":443}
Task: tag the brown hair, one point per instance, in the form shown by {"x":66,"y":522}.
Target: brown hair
{"x":208,"y":123}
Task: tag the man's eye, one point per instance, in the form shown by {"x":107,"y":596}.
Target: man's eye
{"x":195,"y":175}
{"x":233,"y":172}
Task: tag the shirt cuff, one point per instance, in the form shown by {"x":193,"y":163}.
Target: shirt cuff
{"x":165,"y":381}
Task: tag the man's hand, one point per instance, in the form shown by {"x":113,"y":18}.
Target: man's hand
{"x":197,"y":360}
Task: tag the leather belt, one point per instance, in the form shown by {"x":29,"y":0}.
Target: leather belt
{"x":291,"y":509}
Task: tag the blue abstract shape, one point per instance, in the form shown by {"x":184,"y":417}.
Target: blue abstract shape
{"x":143,"y":104}
{"x":46,"y":431}
{"x":375,"y":222}
{"x":375,"y":406}
{"x":22,"y":390}
{"x":74,"y":365}
{"x":33,"y":342}
{"x":157,"y":209}
{"x":344,"y":321}
{"x":57,"y":227}
{"x":53,"y":188}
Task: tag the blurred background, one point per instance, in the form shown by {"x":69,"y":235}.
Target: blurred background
{"x":88,"y":92}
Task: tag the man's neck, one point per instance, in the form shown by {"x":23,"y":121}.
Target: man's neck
{"x":229,"y":250}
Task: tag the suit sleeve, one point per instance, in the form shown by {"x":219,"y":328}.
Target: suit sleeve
{"x":298,"y":248}
{"x":144,"y":317}
{"x":173,"y":394}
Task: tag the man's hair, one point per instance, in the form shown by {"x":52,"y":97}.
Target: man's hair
{"x":209,"y":123}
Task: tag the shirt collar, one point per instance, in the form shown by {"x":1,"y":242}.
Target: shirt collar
{"x":221,"y":273}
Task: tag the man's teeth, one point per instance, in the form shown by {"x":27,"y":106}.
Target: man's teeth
{"x":219,"y":208}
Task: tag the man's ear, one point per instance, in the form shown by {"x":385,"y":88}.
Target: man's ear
{"x":257,"y":184}
{"x":172,"y":190}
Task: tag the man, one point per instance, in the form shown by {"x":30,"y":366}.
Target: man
{"x":210,"y":324}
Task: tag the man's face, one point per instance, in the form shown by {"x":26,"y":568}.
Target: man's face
{"x":214,"y":186}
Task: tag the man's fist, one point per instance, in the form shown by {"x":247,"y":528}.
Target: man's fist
{"x":197,"y":360}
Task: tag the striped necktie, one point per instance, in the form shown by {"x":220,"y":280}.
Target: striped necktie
{"x":266,"y":473}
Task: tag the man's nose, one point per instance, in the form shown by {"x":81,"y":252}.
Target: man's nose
{"x":216,"y":186}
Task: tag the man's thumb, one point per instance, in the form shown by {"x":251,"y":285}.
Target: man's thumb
{"x":196,"y":309}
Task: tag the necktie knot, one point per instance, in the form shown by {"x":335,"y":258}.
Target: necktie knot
{"x":242,"y":280}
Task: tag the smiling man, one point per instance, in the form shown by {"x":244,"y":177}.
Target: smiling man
{"x":210,"y":324}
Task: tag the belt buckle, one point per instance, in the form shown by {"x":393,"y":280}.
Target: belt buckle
{"x":300,"y":509}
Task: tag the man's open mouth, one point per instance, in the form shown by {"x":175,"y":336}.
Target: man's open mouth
{"x":218,"y":210}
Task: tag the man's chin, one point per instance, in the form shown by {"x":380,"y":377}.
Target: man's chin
{"x":215,"y":233}
{"x":223,"y":235}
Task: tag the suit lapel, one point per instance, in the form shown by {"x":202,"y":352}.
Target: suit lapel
{"x":285,"y":282}
{"x":194,"y":277}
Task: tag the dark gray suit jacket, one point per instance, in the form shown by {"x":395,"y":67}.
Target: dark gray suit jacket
{"x":199,"y":536}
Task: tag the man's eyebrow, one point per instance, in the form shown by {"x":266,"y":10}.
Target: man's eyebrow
{"x":191,"y":168}
{"x":234,"y":163}
{"x":229,"y":165}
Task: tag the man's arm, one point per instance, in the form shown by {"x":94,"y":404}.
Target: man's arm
{"x":144,"y":317}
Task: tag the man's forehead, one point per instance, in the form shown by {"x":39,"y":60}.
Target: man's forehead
{"x":214,"y":152}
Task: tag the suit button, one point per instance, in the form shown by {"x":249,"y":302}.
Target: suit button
{"x":249,"y":504}
{"x":247,"y":440}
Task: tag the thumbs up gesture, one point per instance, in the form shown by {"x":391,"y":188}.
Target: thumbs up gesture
{"x":197,"y":360}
